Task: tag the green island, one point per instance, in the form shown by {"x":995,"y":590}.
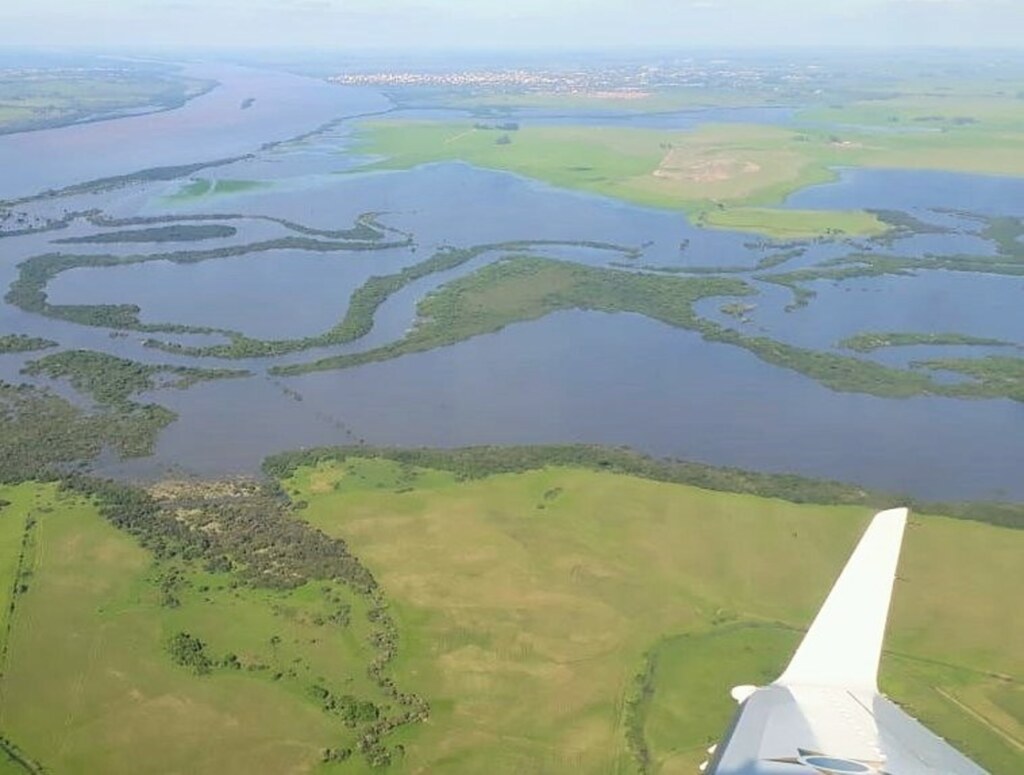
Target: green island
{"x":526,"y":288}
{"x":176,"y":233}
{"x":194,"y":227}
{"x":767,"y":262}
{"x":363,"y":304}
{"x":738,"y":310}
{"x":1004,"y":232}
{"x":45,"y":429}
{"x":111,"y":381}
{"x":28,"y":289}
{"x":41,"y":99}
{"x":21,"y":343}
{"x":993,"y":376}
{"x":43,"y":434}
{"x":367,"y":228}
{"x":870,"y":341}
{"x":203,"y":188}
{"x":575,"y":608}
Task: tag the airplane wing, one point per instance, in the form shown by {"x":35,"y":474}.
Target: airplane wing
{"x":824,"y":713}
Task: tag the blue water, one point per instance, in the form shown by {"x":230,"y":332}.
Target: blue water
{"x":573,"y":376}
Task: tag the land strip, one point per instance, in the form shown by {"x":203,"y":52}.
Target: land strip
{"x":526,"y":288}
{"x":870,"y":341}
{"x":365,"y":302}
{"x":28,"y":291}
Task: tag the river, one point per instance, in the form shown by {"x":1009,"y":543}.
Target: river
{"x":573,"y":376}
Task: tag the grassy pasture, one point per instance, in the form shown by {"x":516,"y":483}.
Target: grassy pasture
{"x":793,"y":224}
{"x":741,"y":164}
{"x":89,"y":685}
{"x":720,"y":175}
{"x":559,"y":620}
{"x":528,"y":603}
{"x":927,"y":111}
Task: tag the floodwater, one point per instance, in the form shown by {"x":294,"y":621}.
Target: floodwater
{"x":572,"y":376}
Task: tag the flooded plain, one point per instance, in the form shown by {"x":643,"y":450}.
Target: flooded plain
{"x":570,"y":376}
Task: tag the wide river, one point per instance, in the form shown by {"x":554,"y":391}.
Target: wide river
{"x":572,"y":376}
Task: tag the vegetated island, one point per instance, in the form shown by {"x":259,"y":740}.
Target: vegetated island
{"x":28,"y":289}
{"x":44,"y":435}
{"x":1002,"y":231}
{"x":21,"y":343}
{"x":178,"y":233}
{"x":111,"y":381}
{"x":365,"y":302}
{"x":992,"y":376}
{"x":869,"y":341}
{"x":526,"y":288}
{"x":128,"y":426}
{"x":202,"y":188}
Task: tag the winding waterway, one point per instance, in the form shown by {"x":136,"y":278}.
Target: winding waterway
{"x":572,"y":376}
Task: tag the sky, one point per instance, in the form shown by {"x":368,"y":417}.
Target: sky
{"x":511,"y":24}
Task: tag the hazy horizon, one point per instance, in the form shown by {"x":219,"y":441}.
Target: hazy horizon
{"x":479,"y":25}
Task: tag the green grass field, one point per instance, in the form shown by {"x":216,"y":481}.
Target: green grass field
{"x":722,"y":176}
{"x":559,"y":620}
{"x":732,"y":164}
{"x":89,"y":685}
{"x":793,"y":224}
{"x":928,"y":110}
{"x":527,"y":604}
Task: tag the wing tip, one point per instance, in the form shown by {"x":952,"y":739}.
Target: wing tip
{"x":843,"y":644}
{"x":898,"y":514}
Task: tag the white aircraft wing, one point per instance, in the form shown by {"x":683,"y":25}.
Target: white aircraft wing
{"x":824,"y":713}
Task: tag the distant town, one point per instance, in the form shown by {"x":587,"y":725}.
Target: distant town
{"x":624,"y":81}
